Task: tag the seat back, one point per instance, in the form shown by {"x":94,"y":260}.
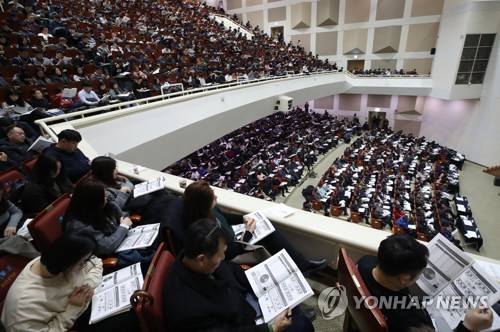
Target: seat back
{"x":398,"y":229}
{"x":376,"y":223}
{"x":148,"y":302}
{"x":316,"y":205}
{"x":10,"y":267}
{"x":9,"y":177}
{"x":28,"y":165}
{"x":422,"y":237}
{"x":45,"y":228}
{"x":335,"y":211}
{"x":173,"y":243}
{"x":355,"y":217}
{"x":362,"y":318}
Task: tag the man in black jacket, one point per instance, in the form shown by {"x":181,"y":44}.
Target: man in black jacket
{"x":400,"y":261}
{"x":204,"y":292}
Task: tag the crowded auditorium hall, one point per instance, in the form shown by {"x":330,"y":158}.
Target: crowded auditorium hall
{"x":255,"y":165}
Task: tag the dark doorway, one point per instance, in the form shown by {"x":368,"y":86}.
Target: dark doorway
{"x":376,"y":119}
{"x":354,"y":65}
{"x":277,"y":32}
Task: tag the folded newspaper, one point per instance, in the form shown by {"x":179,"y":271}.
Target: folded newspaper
{"x":112,"y":296}
{"x":278,"y":284}
{"x":139,"y":237}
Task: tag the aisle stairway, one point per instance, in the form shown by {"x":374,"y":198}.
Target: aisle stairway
{"x":494,"y":170}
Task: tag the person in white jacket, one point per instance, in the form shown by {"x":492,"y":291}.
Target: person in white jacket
{"x":54,"y":289}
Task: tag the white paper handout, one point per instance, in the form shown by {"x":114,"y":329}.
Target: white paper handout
{"x":278,"y":284}
{"x":279,"y":210}
{"x":112,"y":296}
{"x":149,"y":186}
{"x":139,"y":237}
{"x":263,"y":228}
{"x":450,"y":273}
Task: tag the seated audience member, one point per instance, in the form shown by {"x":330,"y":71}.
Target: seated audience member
{"x":59,"y":76}
{"x":118,"y":93}
{"x":399,"y":262}
{"x":38,"y":100}
{"x":200,"y":202}
{"x":54,"y":290}
{"x":66,"y":150}
{"x":80,"y":75}
{"x":6,"y":123}
{"x":45,"y":184}
{"x":41,"y":79}
{"x":16,"y":145}
{"x":205,"y":292}
{"x":10,"y":215}
{"x":89,"y":97}
{"x":42,"y":105}
{"x":14,"y":105}
{"x":102,"y":91}
{"x":120,"y":190}
{"x":90,"y":212}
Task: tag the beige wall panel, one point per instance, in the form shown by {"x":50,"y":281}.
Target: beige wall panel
{"x":390,"y":9}
{"x":406,"y":103}
{"x":233,"y":4}
{"x":386,"y":39}
{"x":379,"y":101}
{"x":349,"y":102}
{"x":355,"y":39}
{"x":357,"y":11}
{"x":427,"y":7}
{"x":422,"y":37}
{"x":390,"y":63}
{"x":273,"y":0}
{"x":327,"y":12}
{"x":256,"y":18}
{"x":276,"y":14}
{"x":301,"y":15}
{"x":305,"y":41}
{"x":408,"y":127}
{"x":324,"y":103}
{"x":326,"y":43}
{"x":254,"y":2}
{"x":423,"y":66}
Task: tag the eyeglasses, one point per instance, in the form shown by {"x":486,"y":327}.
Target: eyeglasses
{"x":84,"y":263}
{"x":217,"y":225}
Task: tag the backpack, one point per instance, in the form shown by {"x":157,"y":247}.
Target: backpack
{"x":307,"y":192}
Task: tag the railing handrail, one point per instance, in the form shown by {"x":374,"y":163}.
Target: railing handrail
{"x":166,"y":98}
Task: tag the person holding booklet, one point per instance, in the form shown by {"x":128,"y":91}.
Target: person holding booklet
{"x":91,"y":211}
{"x":200,"y":202}
{"x":400,"y":261}
{"x":205,"y":292}
{"x":54,"y":290}
{"x":121,"y":191}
